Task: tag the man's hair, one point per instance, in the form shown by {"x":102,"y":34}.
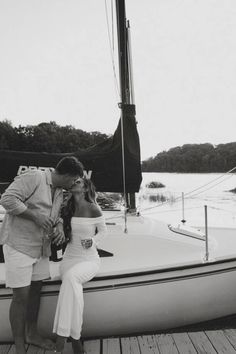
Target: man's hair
{"x":70,"y":165}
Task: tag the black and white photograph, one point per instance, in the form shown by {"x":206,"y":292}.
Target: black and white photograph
{"x":117,"y":176}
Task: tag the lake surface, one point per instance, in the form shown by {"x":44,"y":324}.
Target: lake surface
{"x":211,"y":189}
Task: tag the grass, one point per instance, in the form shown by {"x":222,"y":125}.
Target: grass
{"x":154,"y":198}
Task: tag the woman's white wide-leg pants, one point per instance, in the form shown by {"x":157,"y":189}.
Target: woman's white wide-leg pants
{"x":69,"y":312}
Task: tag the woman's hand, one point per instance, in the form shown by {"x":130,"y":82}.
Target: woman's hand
{"x":87,"y":243}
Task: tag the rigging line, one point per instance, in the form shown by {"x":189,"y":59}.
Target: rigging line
{"x":215,"y":179}
{"x":111,"y":45}
{"x":124,"y":169}
{"x":216,"y":184}
{"x":155,"y":206}
{"x":221,"y":209}
{"x":169,"y":210}
{"x":177,"y":199}
{"x":188,"y":194}
{"x":112,"y":28}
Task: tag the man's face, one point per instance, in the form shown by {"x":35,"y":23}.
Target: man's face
{"x":68,"y":181}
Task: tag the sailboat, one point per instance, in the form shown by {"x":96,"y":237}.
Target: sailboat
{"x":156,"y":276}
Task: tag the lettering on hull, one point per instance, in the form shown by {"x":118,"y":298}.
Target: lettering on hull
{"x":23,"y":169}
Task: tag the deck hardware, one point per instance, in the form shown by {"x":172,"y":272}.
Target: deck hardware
{"x":183,"y":219}
{"x":206,"y":258}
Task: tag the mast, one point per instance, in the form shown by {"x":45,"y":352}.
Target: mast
{"x":122,"y":52}
{"x":126,"y":91}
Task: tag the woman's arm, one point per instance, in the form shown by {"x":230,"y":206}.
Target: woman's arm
{"x":101,"y":229}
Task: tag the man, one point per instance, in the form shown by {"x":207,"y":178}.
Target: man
{"x":32,"y":204}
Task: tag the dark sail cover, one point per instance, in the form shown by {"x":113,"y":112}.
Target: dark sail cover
{"x":102,"y":162}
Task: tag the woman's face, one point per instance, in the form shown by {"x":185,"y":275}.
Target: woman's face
{"x":78,"y":186}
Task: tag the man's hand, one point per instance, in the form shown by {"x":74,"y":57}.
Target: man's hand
{"x":42,"y":220}
{"x":57,"y":235}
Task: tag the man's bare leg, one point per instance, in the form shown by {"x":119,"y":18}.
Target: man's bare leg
{"x":77,"y":346}
{"x":32,"y":335}
{"x":18,"y":317}
{"x":60,"y":343}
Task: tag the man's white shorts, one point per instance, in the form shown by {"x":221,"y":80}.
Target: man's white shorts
{"x":21,"y":269}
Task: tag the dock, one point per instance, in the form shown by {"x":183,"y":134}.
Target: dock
{"x":210,"y":341}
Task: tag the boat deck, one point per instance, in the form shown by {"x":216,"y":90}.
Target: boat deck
{"x":211,"y":341}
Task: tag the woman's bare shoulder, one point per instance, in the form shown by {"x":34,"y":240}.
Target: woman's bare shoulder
{"x":95,"y":211}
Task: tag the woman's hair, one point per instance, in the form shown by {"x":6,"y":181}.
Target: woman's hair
{"x":67,"y":211}
{"x":90,"y":193}
{"x":68,"y":208}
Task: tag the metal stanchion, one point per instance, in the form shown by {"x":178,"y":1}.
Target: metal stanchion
{"x":183,"y":218}
{"x":206,"y":258}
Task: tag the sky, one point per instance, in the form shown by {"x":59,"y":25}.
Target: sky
{"x":56,"y":65}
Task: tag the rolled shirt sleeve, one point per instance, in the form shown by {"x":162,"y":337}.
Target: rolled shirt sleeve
{"x":13,"y":199}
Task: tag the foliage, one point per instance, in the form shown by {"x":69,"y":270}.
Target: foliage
{"x":155,"y":184}
{"x":109,"y":200}
{"x":233,"y":190}
{"x":8,"y":135}
{"x":46,"y":137}
{"x":193,"y":158}
{"x":160,"y":198}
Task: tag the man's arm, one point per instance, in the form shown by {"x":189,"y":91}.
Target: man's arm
{"x":13,"y":200}
{"x":42,"y":220}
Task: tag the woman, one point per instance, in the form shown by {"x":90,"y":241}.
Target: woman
{"x":84,"y":226}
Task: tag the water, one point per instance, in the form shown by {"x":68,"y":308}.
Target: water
{"x":211,"y":189}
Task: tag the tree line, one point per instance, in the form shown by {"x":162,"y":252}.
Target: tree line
{"x":46,"y":137}
{"x":50,"y":137}
{"x":193,"y":158}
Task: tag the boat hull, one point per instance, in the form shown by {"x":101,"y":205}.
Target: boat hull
{"x":143,"y":302}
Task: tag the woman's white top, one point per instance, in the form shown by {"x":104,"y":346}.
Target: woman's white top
{"x":85,"y":228}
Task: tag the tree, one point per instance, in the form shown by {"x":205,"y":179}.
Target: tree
{"x":8,"y":136}
{"x":193,"y":158}
{"x":47,"y":137}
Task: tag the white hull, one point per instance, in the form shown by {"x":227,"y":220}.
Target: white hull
{"x":157,"y":301}
{"x":135,"y":293}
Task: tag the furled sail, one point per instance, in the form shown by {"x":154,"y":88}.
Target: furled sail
{"x":102,"y":162}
